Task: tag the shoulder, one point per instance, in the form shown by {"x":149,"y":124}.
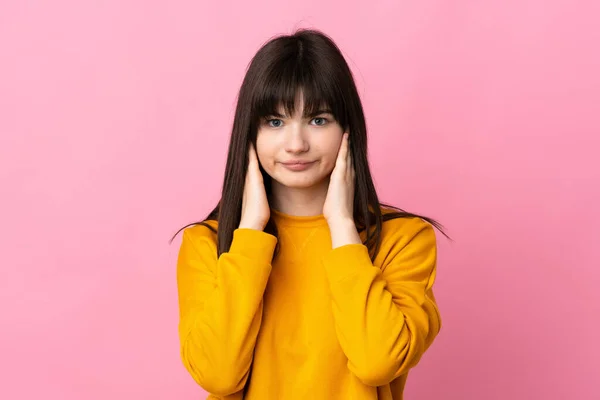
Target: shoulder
{"x":201,"y":233}
{"x":198,"y":250}
{"x":407,"y":242}
{"x":402,"y":231}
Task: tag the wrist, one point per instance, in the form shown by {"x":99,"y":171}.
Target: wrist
{"x":341,"y":222}
{"x":250,"y":225}
{"x":343,"y":232}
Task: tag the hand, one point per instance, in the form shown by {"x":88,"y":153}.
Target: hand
{"x":255,"y":206}
{"x":339,"y":203}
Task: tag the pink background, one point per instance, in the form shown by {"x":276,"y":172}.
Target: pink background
{"x":114,"y":122}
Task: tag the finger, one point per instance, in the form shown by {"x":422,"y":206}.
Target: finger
{"x":350,"y":165}
{"x":343,"y":152}
{"x":253,"y":158}
{"x":341,"y":161}
{"x":251,"y":152}
{"x":348,"y":150}
{"x":351,"y":169}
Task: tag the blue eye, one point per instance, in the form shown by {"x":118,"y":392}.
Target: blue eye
{"x":274,"y":123}
{"x":320,"y":121}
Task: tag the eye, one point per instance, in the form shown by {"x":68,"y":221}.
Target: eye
{"x":320,"y":121}
{"x":274,"y":123}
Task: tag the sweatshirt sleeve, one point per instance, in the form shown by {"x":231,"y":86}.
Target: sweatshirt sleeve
{"x":220,"y":305}
{"x":385,"y":317}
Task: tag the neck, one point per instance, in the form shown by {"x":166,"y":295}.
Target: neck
{"x":299,"y":201}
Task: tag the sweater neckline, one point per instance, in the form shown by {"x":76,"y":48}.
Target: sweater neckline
{"x":298,"y":220}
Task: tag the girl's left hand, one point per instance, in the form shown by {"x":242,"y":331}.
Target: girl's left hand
{"x":339,"y":203}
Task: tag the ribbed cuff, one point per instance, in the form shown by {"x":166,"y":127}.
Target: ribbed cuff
{"x":345,"y":261}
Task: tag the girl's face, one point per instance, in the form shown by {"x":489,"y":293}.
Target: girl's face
{"x":313,"y":141}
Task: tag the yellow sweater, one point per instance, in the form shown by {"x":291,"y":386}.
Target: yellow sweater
{"x":314,"y":323}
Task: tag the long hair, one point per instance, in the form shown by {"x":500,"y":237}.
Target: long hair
{"x":310,"y":61}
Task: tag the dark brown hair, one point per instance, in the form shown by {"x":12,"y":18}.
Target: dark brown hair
{"x":310,"y":61}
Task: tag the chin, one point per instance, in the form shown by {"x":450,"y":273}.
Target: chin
{"x":298,"y":182}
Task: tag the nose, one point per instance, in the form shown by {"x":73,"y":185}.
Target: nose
{"x":296,"y":140}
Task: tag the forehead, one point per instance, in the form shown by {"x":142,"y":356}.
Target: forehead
{"x":299,"y":106}
{"x":298,"y":103}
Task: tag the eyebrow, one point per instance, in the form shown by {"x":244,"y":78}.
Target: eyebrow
{"x":311,"y":115}
{"x":318,"y":112}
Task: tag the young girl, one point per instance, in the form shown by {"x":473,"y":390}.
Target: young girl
{"x":300,"y":284}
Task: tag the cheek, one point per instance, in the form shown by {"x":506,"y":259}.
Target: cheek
{"x":264,"y":151}
{"x":330,"y":153}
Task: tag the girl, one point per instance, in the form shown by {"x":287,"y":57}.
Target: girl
{"x":300,"y":284}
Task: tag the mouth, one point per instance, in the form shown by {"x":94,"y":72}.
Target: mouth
{"x":298,"y":166}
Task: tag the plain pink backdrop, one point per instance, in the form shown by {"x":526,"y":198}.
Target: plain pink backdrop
{"x":114,"y":122}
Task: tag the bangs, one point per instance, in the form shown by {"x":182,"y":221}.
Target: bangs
{"x":286,"y":80}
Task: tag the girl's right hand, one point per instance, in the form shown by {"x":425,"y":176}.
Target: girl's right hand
{"x":255,"y":206}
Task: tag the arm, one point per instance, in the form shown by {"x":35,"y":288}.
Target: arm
{"x":220,"y":305}
{"x":385,"y":317}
